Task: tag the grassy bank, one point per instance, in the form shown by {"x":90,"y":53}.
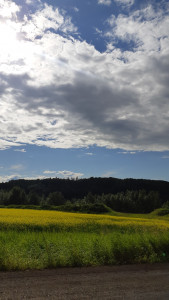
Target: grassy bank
{"x":38,"y":239}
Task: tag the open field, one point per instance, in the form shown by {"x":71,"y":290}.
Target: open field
{"x":31,"y":239}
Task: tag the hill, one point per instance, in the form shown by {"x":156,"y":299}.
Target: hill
{"x":79,"y":188}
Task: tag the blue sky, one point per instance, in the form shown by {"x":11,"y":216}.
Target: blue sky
{"x":84,"y":89}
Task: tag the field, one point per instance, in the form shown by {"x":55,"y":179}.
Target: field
{"x":32,"y":239}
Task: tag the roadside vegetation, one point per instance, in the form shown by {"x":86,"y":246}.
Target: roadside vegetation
{"x":35,"y":239}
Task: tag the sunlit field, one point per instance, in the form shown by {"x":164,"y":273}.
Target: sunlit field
{"x":62,"y":221}
{"x":42,"y":239}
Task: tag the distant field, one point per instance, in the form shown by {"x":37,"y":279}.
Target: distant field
{"x":32,"y":239}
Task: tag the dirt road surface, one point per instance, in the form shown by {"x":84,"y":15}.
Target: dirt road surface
{"x":110,"y":282}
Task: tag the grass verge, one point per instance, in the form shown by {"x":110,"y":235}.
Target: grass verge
{"x":39,"y":250}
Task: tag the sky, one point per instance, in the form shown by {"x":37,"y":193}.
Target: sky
{"x":84,"y":89}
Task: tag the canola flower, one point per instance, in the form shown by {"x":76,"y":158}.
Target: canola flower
{"x":32,"y":239}
{"x":59,"y":221}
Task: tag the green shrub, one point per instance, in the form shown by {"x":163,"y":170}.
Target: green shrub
{"x":161,"y":212}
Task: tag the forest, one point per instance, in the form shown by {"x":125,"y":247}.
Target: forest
{"x":89,"y":195}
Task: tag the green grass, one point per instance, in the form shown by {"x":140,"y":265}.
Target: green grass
{"x":33,"y":250}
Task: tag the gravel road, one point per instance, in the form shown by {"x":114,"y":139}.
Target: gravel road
{"x":108,"y":282}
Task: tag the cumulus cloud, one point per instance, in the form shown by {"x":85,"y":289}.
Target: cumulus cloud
{"x":63,"y":174}
{"x":44,"y":20}
{"x":104,"y":2}
{"x":146,"y":28}
{"x":7,"y":178}
{"x":8,"y":9}
{"x":61,"y":92}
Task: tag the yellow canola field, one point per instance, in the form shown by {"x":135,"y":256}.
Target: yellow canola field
{"x":25,"y":218}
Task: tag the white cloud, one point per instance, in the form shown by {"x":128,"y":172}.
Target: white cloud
{"x":67,"y":94}
{"x":7,"y":178}
{"x":49,"y":172}
{"x":109,"y":174}
{"x":5,"y":144}
{"x":63,"y":174}
{"x":127,"y":152}
{"x":41,"y":177}
{"x":76,"y":9}
{"x":104,"y":2}
{"x":29,"y":2}
{"x":44,"y":20}
{"x":8,"y":9}
{"x":147,"y":29}
{"x":69,"y":174}
{"x":89,"y":153}
{"x":20,"y":150}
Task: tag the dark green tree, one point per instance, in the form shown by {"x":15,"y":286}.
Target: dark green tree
{"x":17,"y":196}
{"x":4,"y":196}
{"x":34,"y":198}
{"x":55,"y":198}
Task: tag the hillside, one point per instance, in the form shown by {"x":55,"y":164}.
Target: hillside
{"x":79,"y":188}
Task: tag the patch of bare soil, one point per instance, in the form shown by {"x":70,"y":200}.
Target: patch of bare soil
{"x":108,"y":282}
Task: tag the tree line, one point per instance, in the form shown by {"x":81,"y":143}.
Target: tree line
{"x":138,"y":201}
{"x":79,"y":188}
